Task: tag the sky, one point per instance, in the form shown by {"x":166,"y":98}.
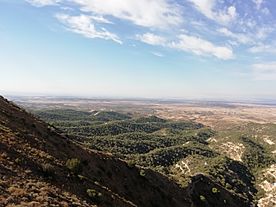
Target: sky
{"x":216,"y":49}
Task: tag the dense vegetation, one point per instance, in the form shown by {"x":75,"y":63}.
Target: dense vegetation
{"x":178,"y":149}
{"x":149,"y":141}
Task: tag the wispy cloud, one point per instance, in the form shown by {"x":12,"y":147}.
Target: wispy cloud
{"x":84,"y":25}
{"x":258,"y":3}
{"x":152,"y":39}
{"x":263,"y":48}
{"x":203,"y":47}
{"x":191,"y":44}
{"x":158,"y":54}
{"x":146,"y":13}
{"x":101,"y":19}
{"x":263,"y":32}
{"x":239,"y":37}
{"x":40,"y":3}
{"x":264,"y":71}
{"x":207,"y":8}
{"x":251,"y":39}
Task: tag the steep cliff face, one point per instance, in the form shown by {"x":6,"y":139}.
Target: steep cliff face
{"x":40,"y":167}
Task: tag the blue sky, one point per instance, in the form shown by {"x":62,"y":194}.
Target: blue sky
{"x":139,"y":48}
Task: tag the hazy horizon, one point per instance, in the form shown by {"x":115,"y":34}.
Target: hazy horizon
{"x":226,"y":100}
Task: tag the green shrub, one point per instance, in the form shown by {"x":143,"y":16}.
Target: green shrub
{"x":215,"y":190}
{"x":74,"y":165}
{"x":228,"y":186}
{"x":142,"y":173}
{"x":202,"y":198}
{"x":81,"y":177}
{"x":94,"y":195}
{"x":131,"y":163}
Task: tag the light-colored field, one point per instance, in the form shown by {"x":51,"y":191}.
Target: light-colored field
{"x":215,"y":114}
{"x":218,"y":116}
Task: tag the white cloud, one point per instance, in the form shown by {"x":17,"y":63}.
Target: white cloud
{"x":207,"y":8}
{"x":239,"y":37}
{"x":250,"y":23}
{"x":158,"y":54}
{"x":200,"y":46}
{"x":101,"y":19}
{"x":265,"y":11}
{"x":259,"y":6}
{"x":152,"y":39}
{"x":263,"y":32}
{"x":264,"y":71}
{"x":40,"y":3}
{"x":147,"y":13}
{"x":263,"y":48}
{"x":258,"y":3}
{"x":188,"y":43}
{"x":226,"y":16}
{"x":84,"y":25}
{"x":253,"y":39}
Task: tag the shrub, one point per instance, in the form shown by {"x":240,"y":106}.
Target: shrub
{"x":94,"y":195}
{"x":74,"y":165}
{"x":142,"y":173}
{"x":81,"y":177}
{"x":48,"y":169}
{"x":215,"y":190}
{"x":202,"y":198}
{"x":228,"y":186}
{"x":131,"y":163}
{"x":17,"y":160}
